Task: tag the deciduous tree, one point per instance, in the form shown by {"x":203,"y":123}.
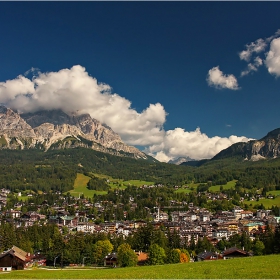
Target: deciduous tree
{"x":156,"y":255}
{"x":126,"y":256}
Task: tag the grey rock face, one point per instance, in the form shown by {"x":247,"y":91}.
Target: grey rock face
{"x":267,"y":147}
{"x":12,"y":125}
{"x":55,"y":129}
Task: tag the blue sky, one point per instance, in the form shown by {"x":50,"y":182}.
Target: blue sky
{"x":172,"y":78}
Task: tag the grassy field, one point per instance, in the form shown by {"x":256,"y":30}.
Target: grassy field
{"x":137,"y":183}
{"x":263,"y":267}
{"x":228,"y":186}
{"x":274,"y":192}
{"x":80,"y":185}
{"x":191,"y":187}
{"x":267,"y":203}
{"x":121,"y":182}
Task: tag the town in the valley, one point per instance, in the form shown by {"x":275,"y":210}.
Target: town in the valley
{"x":192,"y":225}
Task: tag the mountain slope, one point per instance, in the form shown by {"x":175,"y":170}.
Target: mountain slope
{"x":55,"y":129}
{"x":267,"y":147}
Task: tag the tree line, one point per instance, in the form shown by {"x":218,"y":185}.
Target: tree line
{"x":57,"y":169}
{"x":161,"y":244}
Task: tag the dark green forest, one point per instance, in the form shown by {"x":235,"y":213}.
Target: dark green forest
{"x":55,"y":170}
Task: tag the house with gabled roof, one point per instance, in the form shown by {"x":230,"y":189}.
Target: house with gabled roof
{"x":235,"y":252}
{"x":15,"y":258}
{"x":209,"y":256}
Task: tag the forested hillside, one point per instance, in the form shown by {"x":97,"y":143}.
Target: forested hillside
{"x":57,"y":169}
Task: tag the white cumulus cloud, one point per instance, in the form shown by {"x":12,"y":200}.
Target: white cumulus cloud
{"x":219,"y":80}
{"x":252,"y":67}
{"x":193,"y":144}
{"x":254,"y":47}
{"x":13,"y":89}
{"x":272,"y":61}
{"x":74,"y":90}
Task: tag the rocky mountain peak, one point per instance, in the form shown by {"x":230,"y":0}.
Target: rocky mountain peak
{"x":12,"y":125}
{"x":274,"y":134}
{"x":266,"y":147}
{"x":56,"y":117}
{"x":49,"y":129}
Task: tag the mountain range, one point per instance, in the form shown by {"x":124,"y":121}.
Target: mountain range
{"x":267,"y":147}
{"x":54,"y":129}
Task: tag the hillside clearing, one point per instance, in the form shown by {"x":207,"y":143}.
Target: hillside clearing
{"x":227,"y":186}
{"x":80,"y":187}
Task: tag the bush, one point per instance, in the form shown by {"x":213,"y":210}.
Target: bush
{"x":156,"y":255}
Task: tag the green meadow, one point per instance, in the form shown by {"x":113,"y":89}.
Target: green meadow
{"x":227,"y":186}
{"x":262,"y":267}
{"x":276,"y":193}
{"x":137,"y":183}
{"x":80,"y":185}
{"x":193,"y":186}
{"x":187,"y":189}
{"x":267,"y":202}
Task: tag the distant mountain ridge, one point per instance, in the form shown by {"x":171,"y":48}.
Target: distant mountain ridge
{"x":180,"y":160}
{"x":55,"y":129}
{"x":267,"y":147}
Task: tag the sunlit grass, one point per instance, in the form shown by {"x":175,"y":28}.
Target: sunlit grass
{"x":263,"y":267}
{"x":227,"y":186}
{"x":274,"y":192}
{"x":80,"y":187}
{"x":267,"y":202}
{"x":137,"y":183}
{"x":188,"y":188}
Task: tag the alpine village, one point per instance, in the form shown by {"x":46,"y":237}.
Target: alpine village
{"x":73,"y":194}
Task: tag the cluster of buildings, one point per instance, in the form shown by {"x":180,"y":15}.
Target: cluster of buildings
{"x":192,"y":224}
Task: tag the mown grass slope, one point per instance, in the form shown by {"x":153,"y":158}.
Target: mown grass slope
{"x":80,"y":184}
{"x":262,"y":267}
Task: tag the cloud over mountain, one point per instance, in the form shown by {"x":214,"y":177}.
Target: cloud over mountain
{"x":194,"y":144}
{"x":74,"y":90}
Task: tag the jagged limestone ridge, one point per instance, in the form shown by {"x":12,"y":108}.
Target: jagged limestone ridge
{"x":266,"y":147}
{"x":54,"y":129}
